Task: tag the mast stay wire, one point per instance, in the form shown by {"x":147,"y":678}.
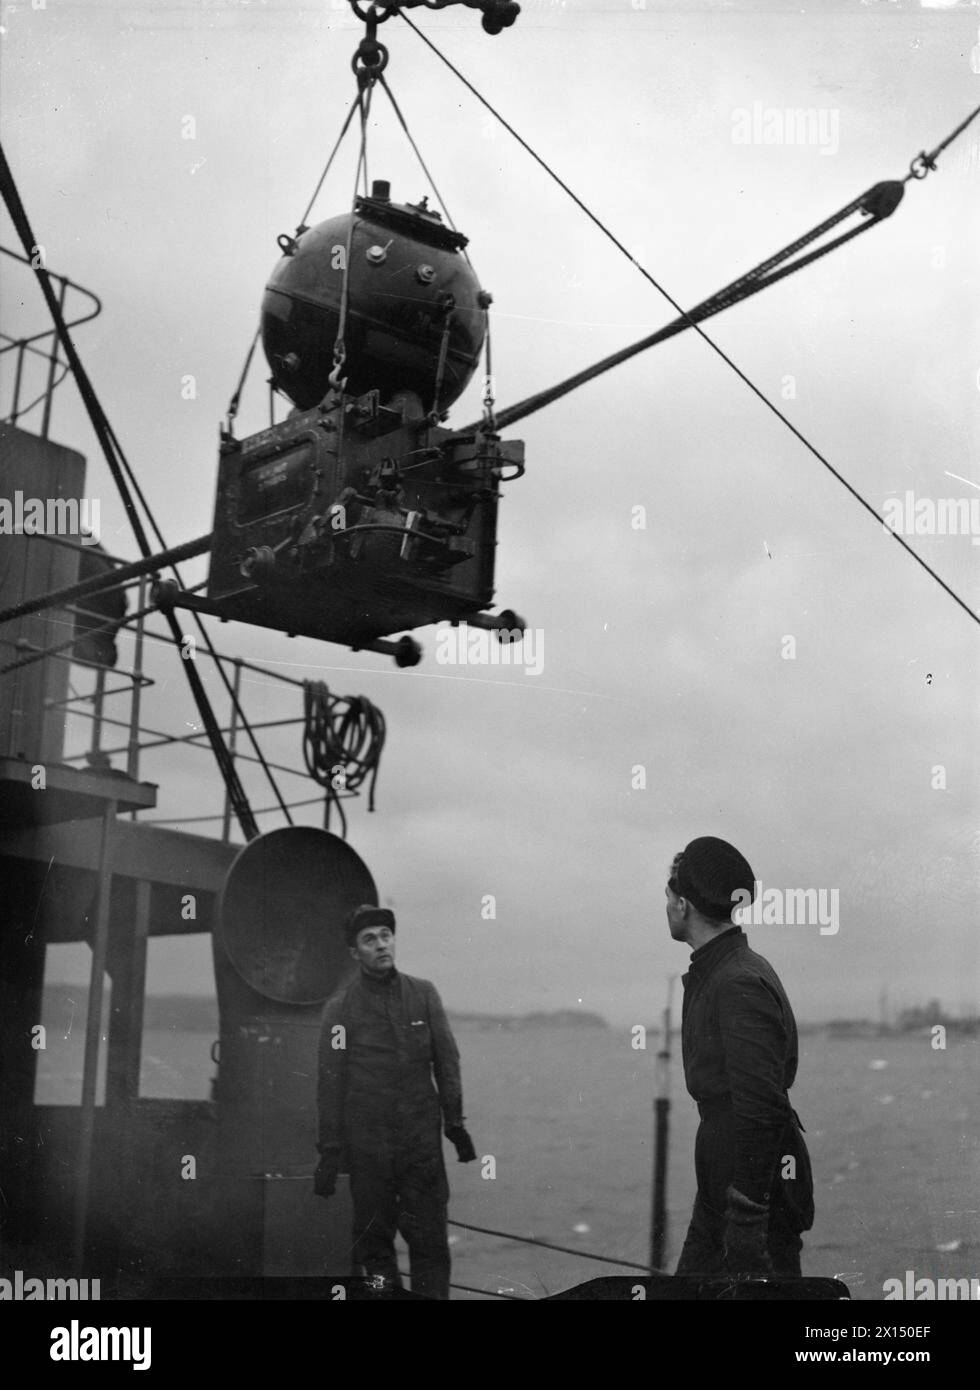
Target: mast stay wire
{"x":206,"y":638}
{"x":877,"y":203}
{"x":205,"y":635}
{"x":199,"y":624}
{"x":120,"y":470}
{"x":100,"y":425}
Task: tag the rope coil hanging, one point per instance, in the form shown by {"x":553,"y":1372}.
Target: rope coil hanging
{"x":343,"y":739}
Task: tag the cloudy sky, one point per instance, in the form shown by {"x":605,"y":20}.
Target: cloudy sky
{"x":664,"y":648}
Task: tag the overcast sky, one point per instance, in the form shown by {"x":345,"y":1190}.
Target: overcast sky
{"x":663,"y":647}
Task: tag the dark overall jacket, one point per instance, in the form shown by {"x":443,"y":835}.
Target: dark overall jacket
{"x":383,"y":1040}
{"x":740,"y":1052}
{"x":375,"y":1092}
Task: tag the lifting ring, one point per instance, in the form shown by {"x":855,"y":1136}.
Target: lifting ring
{"x":922,"y":165}
{"x":370,"y":60}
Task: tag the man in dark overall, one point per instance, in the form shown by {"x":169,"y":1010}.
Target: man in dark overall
{"x":384,"y":1036}
{"x":755,"y":1187}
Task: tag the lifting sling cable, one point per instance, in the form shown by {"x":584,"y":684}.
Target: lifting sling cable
{"x":489,"y":422}
{"x":103,"y":433}
{"x":340,"y":347}
{"x":418,"y":155}
{"x":235,"y":401}
{"x":355,"y":104}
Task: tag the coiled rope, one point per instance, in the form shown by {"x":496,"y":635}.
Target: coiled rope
{"x":343,"y":739}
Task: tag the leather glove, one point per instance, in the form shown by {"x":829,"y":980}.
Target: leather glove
{"x":746,"y":1232}
{"x":325,"y":1176}
{"x":461,"y":1141}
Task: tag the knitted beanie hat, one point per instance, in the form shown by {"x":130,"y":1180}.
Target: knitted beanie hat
{"x":368,"y":916}
{"x":709,"y":872}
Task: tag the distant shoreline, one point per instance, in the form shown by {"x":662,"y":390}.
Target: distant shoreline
{"x":199,"y":1013}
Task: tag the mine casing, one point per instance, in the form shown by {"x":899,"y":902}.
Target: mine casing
{"x":412,"y":300}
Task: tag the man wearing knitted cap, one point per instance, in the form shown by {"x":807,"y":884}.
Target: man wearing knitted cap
{"x":383,"y":1039}
{"x":739,"y":1040}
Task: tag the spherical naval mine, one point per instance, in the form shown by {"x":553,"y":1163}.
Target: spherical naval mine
{"x":411,"y":297}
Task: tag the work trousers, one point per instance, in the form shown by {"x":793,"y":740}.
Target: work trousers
{"x":404,"y":1194}
{"x":703,"y":1251}
{"x":790,"y":1208}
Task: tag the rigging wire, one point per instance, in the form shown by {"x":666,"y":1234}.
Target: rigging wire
{"x":111,"y":625}
{"x":876,"y":203}
{"x":488,"y":415}
{"x":205,"y":636}
{"x":178,"y":636}
{"x":149,"y":611}
{"x":489,"y":386}
{"x":921,"y":165}
{"x":102,"y":430}
{"x":326,"y":168}
{"x":301,"y":227}
{"x":219,"y":665}
{"x":340,"y":348}
{"x":563,"y":1249}
{"x":119,"y":467}
{"x":103,"y":583}
{"x":418,"y":155}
